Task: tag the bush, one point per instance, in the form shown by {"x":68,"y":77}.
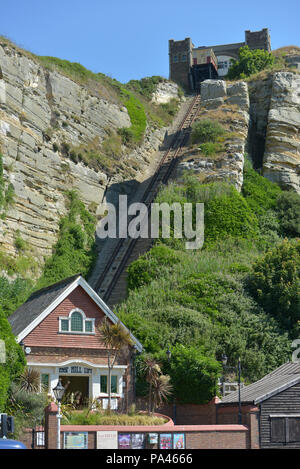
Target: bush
{"x":275,"y":282}
{"x":193,"y":374}
{"x":250,"y":62}
{"x":260,"y":193}
{"x":211,"y":148}
{"x":288,"y":209}
{"x":136,"y":111}
{"x":206,"y":130}
{"x":75,"y":249}
{"x":13,"y":294}
{"x":229,"y":216}
{"x":15,"y":360}
{"x":149,"y":266}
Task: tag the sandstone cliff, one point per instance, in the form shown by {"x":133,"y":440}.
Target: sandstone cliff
{"x":262,"y":118}
{"x":44,"y":114}
{"x":229,"y":105}
{"x":281,"y":162}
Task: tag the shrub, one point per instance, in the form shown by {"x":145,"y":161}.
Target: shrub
{"x":229,"y":216}
{"x":149,"y":266}
{"x":288,"y":209}
{"x":75,"y":249}
{"x":260,"y":193}
{"x":206,"y":130}
{"x":13,"y":293}
{"x":15,"y":360}
{"x":146,"y":86}
{"x":211,"y":148}
{"x":136,"y":111}
{"x":249,"y":62}
{"x":275,"y":282}
{"x":193,"y":374}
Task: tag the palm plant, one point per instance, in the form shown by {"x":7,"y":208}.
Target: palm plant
{"x":29,"y":381}
{"x":115,"y":337}
{"x":152,"y":371}
{"x":161,"y":390}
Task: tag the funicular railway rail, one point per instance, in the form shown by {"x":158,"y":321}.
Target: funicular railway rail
{"x":125,"y":248}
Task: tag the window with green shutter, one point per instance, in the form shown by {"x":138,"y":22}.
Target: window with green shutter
{"x":103,"y":384}
{"x":114,"y":384}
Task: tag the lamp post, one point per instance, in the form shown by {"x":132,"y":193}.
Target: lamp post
{"x":224,"y":363}
{"x":58,"y":392}
{"x":239,"y":391}
{"x":169,"y":354}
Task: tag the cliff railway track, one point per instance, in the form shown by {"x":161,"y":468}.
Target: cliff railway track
{"x":112,"y":282}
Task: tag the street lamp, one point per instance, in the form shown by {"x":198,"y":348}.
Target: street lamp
{"x":169,"y":354}
{"x":224,"y":363}
{"x":58,"y":392}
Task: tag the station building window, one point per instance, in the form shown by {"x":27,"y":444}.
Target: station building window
{"x":103,"y":384}
{"x":76,"y":323}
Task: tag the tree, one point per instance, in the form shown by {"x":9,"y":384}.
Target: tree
{"x":288,"y":208}
{"x":159,"y":384}
{"x":193,"y":374}
{"x":115,"y":337}
{"x":161,"y":390}
{"x":151,"y":368}
{"x":14,"y":363}
{"x":275,"y":282}
{"x":249,"y":62}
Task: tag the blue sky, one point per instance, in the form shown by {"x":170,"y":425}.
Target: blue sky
{"x":129,"y":39}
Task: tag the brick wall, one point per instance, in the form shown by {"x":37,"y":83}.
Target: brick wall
{"x":186,"y":414}
{"x":197,"y":436}
{"x":223,"y":435}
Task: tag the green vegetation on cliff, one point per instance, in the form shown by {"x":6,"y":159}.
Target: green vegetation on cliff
{"x":74,"y":251}
{"x":221,"y":299}
{"x":249,"y":63}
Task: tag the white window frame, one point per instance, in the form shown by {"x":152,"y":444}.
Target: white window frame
{"x":119,"y":384}
{"x":84,"y":321}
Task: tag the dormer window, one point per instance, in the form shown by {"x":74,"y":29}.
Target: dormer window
{"x":76,"y":323}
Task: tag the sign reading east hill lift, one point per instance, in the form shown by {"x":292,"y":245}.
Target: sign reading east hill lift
{"x":76,"y":369}
{"x":107,"y":440}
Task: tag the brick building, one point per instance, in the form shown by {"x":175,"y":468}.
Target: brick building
{"x":274,"y":401}
{"x":58,"y":327}
{"x":186,"y":70}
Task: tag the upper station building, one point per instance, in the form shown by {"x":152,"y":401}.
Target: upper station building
{"x":189,"y":65}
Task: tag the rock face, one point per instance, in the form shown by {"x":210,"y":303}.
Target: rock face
{"x":282,"y":150}
{"x":40,"y":110}
{"x":229,"y":105}
{"x":165,"y":91}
